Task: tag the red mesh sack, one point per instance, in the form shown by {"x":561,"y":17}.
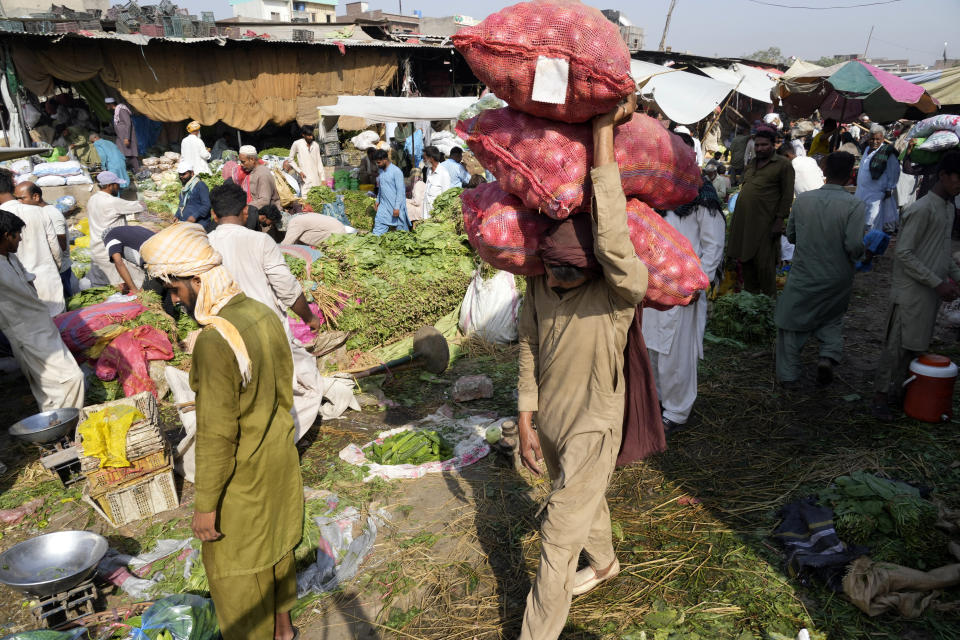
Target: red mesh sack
{"x":503,"y":232}
{"x":503,"y":52}
{"x":547,"y":164}
{"x":674,"y":268}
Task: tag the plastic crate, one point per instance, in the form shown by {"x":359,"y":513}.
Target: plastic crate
{"x":207,"y":16}
{"x":66,"y":27}
{"x":90,"y":25}
{"x":144,"y":437}
{"x":14,"y":26}
{"x":102,"y":481}
{"x":331,"y":148}
{"x":303,"y":35}
{"x":142,"y":499}
{"x":40,"y":26}
{"x":152,"y":30}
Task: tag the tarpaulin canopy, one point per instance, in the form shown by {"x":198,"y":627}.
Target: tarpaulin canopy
{"x":751,"y":82}
{"x":683,"y":97}
{"x":375,"y":109}
{"x":943,"y":85}
{"x":845,"y":90}
{"x":245,"y":85}
{"x":800,"y":68}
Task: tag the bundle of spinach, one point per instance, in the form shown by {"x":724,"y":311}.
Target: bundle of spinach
{"x":875,"y":511}
{"x":212,"y":180}
{"x":280,"y":152}
{"x":360,"y":208}
{"x":448,"y":207}
{"x":87,"y":297}
{"x":298,"y":266}
{"x":399,"y":281}
{"x":319,"y":196}
{"x":745,"y":317}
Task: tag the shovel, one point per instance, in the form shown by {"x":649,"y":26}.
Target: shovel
{"x":430,"y":350}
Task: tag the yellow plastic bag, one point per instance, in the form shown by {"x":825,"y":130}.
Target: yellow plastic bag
{"x":82,"y":241}
{"x":104,"y":434}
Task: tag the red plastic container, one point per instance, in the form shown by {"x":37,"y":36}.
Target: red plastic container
{"x":929,"y":394}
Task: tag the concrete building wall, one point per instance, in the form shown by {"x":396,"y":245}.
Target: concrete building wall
{"x":276,"y":10}
{"x":23,"y":8}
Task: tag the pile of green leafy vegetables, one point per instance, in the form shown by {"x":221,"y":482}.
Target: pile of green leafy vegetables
{"x":889,"y":516}
{"x":449,"y":208}
{"x":94,"y":295}
{"x":319,"y":196}
{"x":360,"y":208}
{"x":397,"y":282}
{"x":280,"y":152}
{"x":744,"y":318}
{"x":298,"y":266}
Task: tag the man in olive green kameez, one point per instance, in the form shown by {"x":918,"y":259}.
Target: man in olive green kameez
{"x":826,"y":224}
{"x":759,"y":215}
{"x":924,"y":274}
{"x":249,"y":495}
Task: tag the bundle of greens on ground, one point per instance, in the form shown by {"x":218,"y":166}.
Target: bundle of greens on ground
{"x":888,"y":516}
{"x":87,"y":297}
{"x":448,"y":208}
{"x":743,"y":317}
{"x":410,"y":447}
{"x":280,"y":152}
{"x":298,"y":266}
{"x":397,"y":282}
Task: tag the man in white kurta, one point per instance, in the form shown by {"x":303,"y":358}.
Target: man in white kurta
{"x":675,"y":337}
{"x":257,"y":265}
{"x":193,"y":150}
{"x":306,"y":160}
{"x":807,"y":176}
{"x":55,"y":379}
{"x":105,"y":211}
{"x":39,"y":252}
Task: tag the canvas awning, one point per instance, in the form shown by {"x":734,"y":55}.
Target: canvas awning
{"x":943,"y":86}
{"x":375,"y":109}
{"x":683,"y":97}
{"x":750,"y":81}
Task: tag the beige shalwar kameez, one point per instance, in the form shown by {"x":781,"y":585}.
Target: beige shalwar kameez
{"x":55,"y":379}
{"x":104,"y":212}
{"x":571,"y":374}
{"x":922,"y":262}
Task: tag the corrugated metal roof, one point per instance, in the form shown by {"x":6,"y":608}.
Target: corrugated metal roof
{"x":138,"y":39}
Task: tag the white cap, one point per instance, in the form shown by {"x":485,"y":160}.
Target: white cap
{"x":184,"y":166}
{"x":109,"y":100}
{"x":248,"y":150}
{"x":681,"y":129}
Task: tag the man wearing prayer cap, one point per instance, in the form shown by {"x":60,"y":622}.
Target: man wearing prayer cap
{"x":248,"y":509}
{"x":257,"y":180}
{"x":106,"y":210}
{"x":194,"y":197}
{"x":194,"y":151}
{"x":126,"y":135}
{"x":583,"y":367}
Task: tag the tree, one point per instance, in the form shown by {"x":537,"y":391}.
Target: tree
{"x":828,"y":61}
{"x":770,"y":56}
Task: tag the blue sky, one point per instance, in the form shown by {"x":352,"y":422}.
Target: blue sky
{"x":914,"y":29}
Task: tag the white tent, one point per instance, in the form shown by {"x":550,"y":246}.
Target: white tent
{"x":750,"y":81}
{"x":384,"y":109}
{"x":683,"y":97}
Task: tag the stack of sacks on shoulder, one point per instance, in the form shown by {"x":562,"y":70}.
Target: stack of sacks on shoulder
{"x":558,"y":64}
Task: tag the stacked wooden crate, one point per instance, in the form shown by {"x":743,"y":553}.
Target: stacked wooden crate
{"x":146,"y":487}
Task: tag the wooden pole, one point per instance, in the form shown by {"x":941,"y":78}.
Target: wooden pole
{"x":666,"y":26}
{"x":869,"y":38}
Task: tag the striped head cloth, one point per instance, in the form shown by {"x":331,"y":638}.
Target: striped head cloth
{"x":183,"y":251}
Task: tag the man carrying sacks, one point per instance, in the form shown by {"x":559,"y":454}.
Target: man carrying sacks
{"x":574,"y":328}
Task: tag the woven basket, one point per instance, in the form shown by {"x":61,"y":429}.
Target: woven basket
{"x":144,"y":498}
{"x":101,"y":481}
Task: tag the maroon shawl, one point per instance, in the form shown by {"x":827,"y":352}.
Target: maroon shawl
{"x":571,"y":243}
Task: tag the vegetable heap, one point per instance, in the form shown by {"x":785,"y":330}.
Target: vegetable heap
{"x":94,"y":295}
{"x":449,"y":208}
{"x":398,"y":282}
{"x":298,"y":266}
{"x":319,"y":196}
{"x":883,"y":514}
{"x":745,"y":317}
{"x":410,"y":447}
{"x":361,"y":209}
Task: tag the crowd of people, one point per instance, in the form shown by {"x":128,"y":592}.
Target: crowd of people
{"x":258,"y":390}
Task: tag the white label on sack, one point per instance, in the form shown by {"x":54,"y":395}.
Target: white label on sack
{"x":550,"y":80}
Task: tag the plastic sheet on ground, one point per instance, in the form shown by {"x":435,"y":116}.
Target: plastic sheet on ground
{"x":184,"y":616}
{"x":337,"y":541}
{"x":467,"y":436}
